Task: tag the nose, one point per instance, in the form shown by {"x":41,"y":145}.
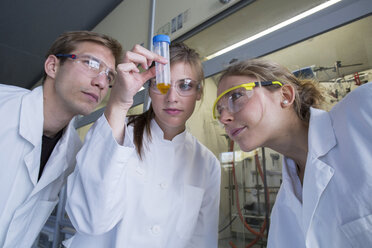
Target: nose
{"x":225,"y":117}
{"x":172,"y":95}
{"x":100,"y":80}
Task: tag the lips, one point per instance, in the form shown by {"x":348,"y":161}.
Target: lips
{"x":236,"y":131}
{"x":92,"y":96}
{"x":173,"y":111}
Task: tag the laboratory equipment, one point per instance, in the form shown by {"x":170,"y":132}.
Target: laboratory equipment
{"x":161,"y":46}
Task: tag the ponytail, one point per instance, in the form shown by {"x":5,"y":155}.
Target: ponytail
{"x":309,"y":95}
{"x":141,"y":123}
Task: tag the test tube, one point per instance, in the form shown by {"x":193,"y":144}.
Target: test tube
{"x":161,"y":46}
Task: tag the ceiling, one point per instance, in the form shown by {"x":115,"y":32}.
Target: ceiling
{"x":28,"y":28}
{"x":337,"y":53}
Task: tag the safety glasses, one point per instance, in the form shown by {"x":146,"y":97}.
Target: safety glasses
{"x":91,"y":66}
{"x":184,"y":87}
{"x":236,"y":97}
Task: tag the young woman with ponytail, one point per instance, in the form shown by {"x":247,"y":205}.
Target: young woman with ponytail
{"x":325,"y":196}
{"x":153,"y":184}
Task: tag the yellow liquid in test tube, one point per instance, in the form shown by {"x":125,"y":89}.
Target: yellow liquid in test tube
{"x":163,"y":88}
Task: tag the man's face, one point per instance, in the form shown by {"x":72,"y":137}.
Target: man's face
{"x":75,"y":88}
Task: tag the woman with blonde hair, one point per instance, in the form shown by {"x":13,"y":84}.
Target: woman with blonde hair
{"x":325,"y":196}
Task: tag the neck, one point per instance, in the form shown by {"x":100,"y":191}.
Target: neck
{"x":293,"y":142}
{"x":55,"y":118}
{"x":169,"y":132}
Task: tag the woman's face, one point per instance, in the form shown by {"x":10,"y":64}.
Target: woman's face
{"x":172,"y":110}
{"x":252,"y":125}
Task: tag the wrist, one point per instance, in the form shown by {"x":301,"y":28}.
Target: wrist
{"x":118,"y":107}
{"x":115,"y":115}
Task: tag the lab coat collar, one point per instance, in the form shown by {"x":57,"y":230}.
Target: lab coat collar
{"x":31,"y":128}
{"x":157,"y":132}
{"x":62,"y":157}
{"x":31,"y":116}
{"x":321,"y":134}
{"x":318,"y":173}
{"x":290,"y":187}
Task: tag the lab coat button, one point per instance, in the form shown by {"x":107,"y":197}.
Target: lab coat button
{"x":155,"y":229}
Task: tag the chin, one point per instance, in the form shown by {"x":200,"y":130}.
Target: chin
{"x":175,"y":121}
{"x":85,"y":111}
{"x":246,"y":147}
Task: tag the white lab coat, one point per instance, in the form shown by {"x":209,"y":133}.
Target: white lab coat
{"x":336,"y":207}
{"x":25,"y":203}
{"x":169,"y":199}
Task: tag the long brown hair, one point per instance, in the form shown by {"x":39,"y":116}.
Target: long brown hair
{"x":308,"y":92}
{"x":178,"y":52}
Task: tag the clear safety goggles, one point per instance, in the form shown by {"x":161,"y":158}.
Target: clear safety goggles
{"x":235,"y":98}
{"x":184,"y":87}
{"x":91,"y":66}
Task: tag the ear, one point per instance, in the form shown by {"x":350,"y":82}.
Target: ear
{"x":288,"y":95}
{"x":51,"y":66}
{"x":200,"y":92}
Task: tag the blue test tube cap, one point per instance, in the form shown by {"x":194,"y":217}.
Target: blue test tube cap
{"x":160,"y":38}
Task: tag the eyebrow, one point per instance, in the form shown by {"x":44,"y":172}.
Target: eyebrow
{"x":186,"y":79}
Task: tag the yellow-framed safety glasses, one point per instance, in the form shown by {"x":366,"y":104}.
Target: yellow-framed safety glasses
{"x":234,"y":99}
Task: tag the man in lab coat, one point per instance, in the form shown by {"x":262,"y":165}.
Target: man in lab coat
{"x":38,"y":141}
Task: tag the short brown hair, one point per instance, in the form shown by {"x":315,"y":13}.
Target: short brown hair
{"x":68,"y":41}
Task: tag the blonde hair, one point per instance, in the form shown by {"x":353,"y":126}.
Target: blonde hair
{"x":307,"y":91}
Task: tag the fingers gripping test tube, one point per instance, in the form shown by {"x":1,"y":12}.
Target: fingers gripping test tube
{"x":161,"y":46}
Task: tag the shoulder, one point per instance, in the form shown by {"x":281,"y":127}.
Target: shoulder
{"x":11,"y":88}
{"x":352,"y":121}
{"x":203,"y":152}
{"x":361,"y":94}
{"x":11,"y":98}
{"x":199,"y":146}
{"x":357,"y":105}
{"x":9,"y":91}
{"x":357,"y":100}
{"x":365,"y":89}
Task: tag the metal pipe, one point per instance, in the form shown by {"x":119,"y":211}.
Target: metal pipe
{"x":265,"y":190}
{"x":60,"y":209}
{"x":151,"y":24}
{"x":146,"y":99}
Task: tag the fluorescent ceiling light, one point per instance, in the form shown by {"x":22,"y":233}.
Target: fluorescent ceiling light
{"x":274,"y":28}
